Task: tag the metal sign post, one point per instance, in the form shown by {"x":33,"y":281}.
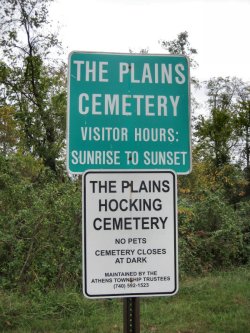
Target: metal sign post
{"x":131,"y":315}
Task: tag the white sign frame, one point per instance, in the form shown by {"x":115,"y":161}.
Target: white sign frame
{"x":150,"y":233}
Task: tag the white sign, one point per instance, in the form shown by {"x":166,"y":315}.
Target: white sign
{"x":129,"y":234}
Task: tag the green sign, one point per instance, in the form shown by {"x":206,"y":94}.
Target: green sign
{"x":128,"y":111}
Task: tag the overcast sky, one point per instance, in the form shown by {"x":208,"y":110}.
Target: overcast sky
{"x":218,"y":29}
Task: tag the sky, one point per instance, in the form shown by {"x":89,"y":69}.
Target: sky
{"x":218,"y":29}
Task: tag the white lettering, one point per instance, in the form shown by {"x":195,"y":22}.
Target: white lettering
{"x":133,"y":79}
{"x":123,"y":69}
{"x":103,"y":71}
{"x":149,"y":105}
{"x":125,"y":105}
{"x":81,"y":97}
{"x":78,"y":69}
{"x":90,"y":71}
{"x":162,"y":105}
{"x":111,"y":104}
{"x":96,"y":103}
{"x":128,"y":105}
{"x":165,"y":158}
{"x":174,"y":101}
{"x":179,"y":68}
{"x":146,"y":74}
{"x":166,"y":73}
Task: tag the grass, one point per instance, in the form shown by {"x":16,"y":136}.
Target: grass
{"x":216,"y":303}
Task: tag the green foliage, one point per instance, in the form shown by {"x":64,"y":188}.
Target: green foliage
{"x":243,"y":209}
{"x":34,"y":84}
{"x":223,"y":136}
{"x":40,"y":223}
{"x":180,"y":45}
{"x":8,"y":130}
{"x":212,"y":225}
{"x":243,"y":128}
{"x":215,"y":136}
{"x":219,"y":231}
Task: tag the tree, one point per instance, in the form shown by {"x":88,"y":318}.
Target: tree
{"x":35,"y":85}
{"x":8,"y":130}
{"x":243,"y":123}
{"x":218,"y":135}
{"x":243,"y":127}
{"x":223,"y":93}
{"x":215,"y":136}
{"x":181,"y":45}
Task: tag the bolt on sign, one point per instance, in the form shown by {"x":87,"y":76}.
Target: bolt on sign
{"x":128,"y":111}
{"x":129,"y":233}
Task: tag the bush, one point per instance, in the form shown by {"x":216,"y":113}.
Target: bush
{"x":40,"y":227}
{"x":211,"y":234}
